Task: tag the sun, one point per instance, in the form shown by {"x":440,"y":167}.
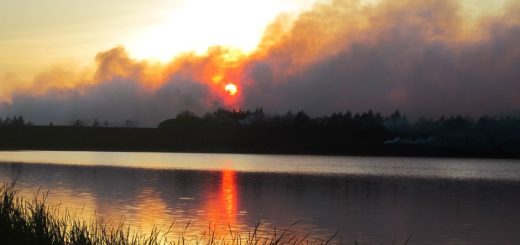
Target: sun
{"x":231,"y":89}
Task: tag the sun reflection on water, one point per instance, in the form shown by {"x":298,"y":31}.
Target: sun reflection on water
{"x":221,"y":205}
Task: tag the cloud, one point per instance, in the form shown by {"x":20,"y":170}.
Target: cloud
{"x":417,"y":56}
{"x":422,"y":57}
{"x":121,"y":89}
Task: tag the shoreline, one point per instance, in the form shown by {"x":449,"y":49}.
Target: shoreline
{"x":70,"y":138}
{"x":380,"y":154}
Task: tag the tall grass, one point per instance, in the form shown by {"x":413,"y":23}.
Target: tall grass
{"x":34,"y":222}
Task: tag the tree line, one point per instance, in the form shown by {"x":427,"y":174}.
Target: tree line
{"x":364,"y":132}
{"x":16,"y":121}
{"x":254,"y":131}
{"x":367,"y":124}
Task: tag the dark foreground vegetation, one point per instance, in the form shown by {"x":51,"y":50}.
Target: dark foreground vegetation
{"x":240,"y":131}
{"x":36,"y":223}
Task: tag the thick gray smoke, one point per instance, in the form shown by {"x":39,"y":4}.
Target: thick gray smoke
{"x":413,"y":57}
{"x":424,"y":58}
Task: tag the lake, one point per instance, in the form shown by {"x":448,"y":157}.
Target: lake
{"x":368,"y":199}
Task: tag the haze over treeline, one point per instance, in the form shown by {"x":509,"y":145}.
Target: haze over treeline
{"x":426,"y":58}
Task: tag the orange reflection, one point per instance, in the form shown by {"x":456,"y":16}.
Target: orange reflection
{"x":229,"y":193}
{"x":151,"y":210}
{"x":145,"y":211}
{"x":222,"y":204}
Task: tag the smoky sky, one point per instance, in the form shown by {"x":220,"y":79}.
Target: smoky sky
{"x":424,"y":58}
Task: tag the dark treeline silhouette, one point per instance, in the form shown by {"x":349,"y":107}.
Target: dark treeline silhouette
{"x":245,"y":131}
{"x":254,"y":131}
{"x":16,"y":121}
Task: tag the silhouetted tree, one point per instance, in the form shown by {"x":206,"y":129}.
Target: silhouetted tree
{"x":397,"y":124}
{"x":78,"y":123}
{"x":7,"y":121}
{"x":95,"y":124}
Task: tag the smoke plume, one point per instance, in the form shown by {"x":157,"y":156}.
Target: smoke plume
{"x":426,"y":58}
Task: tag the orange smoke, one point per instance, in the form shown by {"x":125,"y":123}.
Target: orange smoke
{"x":220,"y":70}
{"x":216,"y":69}
{"x":291,"y":44}
{"x":326,"y":59}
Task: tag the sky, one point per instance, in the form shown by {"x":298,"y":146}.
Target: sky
{"x":146,"y":61}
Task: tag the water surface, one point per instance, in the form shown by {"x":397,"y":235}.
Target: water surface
{"x":369,"y":199}
{"x":496,"y":169}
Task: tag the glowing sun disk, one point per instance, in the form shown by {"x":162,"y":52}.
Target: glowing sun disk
{"x":231,"y":88}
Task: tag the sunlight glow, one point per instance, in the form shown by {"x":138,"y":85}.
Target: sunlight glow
{"x":197,"y":25}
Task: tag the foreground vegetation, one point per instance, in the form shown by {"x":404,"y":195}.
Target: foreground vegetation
{"x":34,"y":222}
{"x":230,"y":131}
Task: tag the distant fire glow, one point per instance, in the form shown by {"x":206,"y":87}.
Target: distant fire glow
{"x":231,"y":89}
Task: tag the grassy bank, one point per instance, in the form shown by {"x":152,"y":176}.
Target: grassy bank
{"x":34,"y":221}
